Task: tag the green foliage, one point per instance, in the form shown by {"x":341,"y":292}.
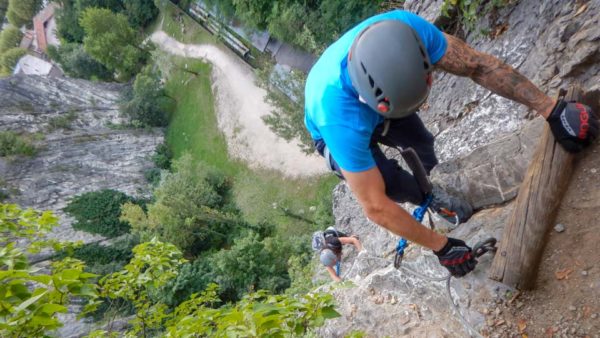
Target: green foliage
{"x":154,"y":264}
{"x":12,"y":143}
{"x":98,"y":212}
{"x":191,"y":209}
{"x":468,"y":12}
{"x":10,"y":38}
{"x":256,"y":315}
{"x":140,"y":12}
{"x":301,"y":272}
{"x":9,"y":59}
{"x":3,"y":9}
{"x":76,"y":62}
{"x":104,"y":259}
{"x":63,"y":121}
{"x":21,"y":12}
{"x":251,"y":264}
{"x":285,"y":92}
{"x":67,"y":22}
{"x":162,"y":156}
{"x":145,"y":103}
{"x":111,"y":41}
{"x":310,"y":25}
{"x":29,"y":302}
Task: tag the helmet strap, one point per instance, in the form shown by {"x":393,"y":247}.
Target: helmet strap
{"x":386,"y":127}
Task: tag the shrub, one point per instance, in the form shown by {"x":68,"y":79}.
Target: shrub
{"x":192,"y":209}
{"x":9,"y":59}
{"x":98,"y":212}
{"x":163,"y":156}
{"x":14,"y":144}
{"x":76,"y":62}
{"x":63,"y":121}
{"x":144,"y":103}
{"x":10,"y":38}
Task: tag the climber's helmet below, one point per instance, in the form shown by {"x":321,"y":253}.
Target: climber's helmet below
{"x":390,"y":69}
{"x":328,"y":258}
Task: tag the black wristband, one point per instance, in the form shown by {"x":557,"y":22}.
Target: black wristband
{"x":559,"y":106}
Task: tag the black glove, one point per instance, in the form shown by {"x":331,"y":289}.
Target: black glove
{"x":457,"y":257}
{"x":573,"y":124}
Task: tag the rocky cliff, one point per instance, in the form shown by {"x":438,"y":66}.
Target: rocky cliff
{"x":80,"y":155}
{"x":484,"y":143}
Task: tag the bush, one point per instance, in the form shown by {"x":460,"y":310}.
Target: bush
{"x":192,"y":210}
{"x":21,"y":12}
{"x":152,"y":176}
{"x":144,"y":104}
{"x":162,"y":156}
{"x":98,"y":212}
{"x":62,"y":122}
{"x":10,"y":38}
{"x":14,"y":144}
{"x":9,"y":59}
{"x":76,"y":62}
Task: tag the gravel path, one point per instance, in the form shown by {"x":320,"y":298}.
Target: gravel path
{"x":240,"y":106}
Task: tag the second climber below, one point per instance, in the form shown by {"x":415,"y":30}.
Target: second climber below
{"x":374,"y":79}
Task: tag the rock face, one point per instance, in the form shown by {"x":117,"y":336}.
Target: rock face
{"x":484,"y":143}
{"x":87,"y":156}
{"x":553,"y":43}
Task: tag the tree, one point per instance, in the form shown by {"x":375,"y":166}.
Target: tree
{"x":190,"y":210}
{"x":254,"y":12}
{"x":29,"y":301}
{"x":251,"y":264}
{"x":67,"y":22}
{"x":111,"y":41}
{"x":9,"y":59}
{"x":76,"y":62}
{"x":21,"y":12}
{"x":3,"y":9}
{"x":98,"y":212}
{"x":10,"y":38}
{"x":145,"y":103}
{"x":140,"y":12}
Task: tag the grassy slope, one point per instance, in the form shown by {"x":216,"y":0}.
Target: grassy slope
{"x":194,"y":128}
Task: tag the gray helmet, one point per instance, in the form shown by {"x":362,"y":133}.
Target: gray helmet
{"x":328,"y":258}
{"x":390,"y":68}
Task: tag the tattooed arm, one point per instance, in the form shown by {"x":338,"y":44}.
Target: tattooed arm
{"x":493,"y":74}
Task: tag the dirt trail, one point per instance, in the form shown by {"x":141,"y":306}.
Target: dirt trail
{"x":240,"y":106}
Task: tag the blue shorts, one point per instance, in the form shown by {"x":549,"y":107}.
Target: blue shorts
{"x":400,"y":185}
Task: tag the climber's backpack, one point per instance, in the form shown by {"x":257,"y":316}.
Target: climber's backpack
{"x":318,"y":241}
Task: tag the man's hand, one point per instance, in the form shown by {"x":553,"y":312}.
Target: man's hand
{"x":573,"y":124}
{"x":457,"y":257}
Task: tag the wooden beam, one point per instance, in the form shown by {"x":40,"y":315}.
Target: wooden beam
{"x":520,"y":250}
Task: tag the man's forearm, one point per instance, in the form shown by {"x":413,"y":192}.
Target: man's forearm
{"x":493,"y":74}
{"x":400,"y":222}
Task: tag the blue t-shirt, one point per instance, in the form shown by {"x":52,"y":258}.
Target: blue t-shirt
{"x":332,"y":109}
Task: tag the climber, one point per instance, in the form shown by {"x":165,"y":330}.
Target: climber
{"x":328,"y":244}
{"x":366,"y":88}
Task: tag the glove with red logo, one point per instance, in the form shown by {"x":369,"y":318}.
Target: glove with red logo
{"x":573,"y":124}
{"x":457,"y":257}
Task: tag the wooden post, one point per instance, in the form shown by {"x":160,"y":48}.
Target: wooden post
{"x":520,"y":250}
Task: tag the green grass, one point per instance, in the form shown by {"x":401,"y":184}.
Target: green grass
{"x":174,"y":19}
{"x":193,"y":128}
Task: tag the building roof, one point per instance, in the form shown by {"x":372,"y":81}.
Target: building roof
{"x":39,"y":25}
{"x":31,"y":65}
